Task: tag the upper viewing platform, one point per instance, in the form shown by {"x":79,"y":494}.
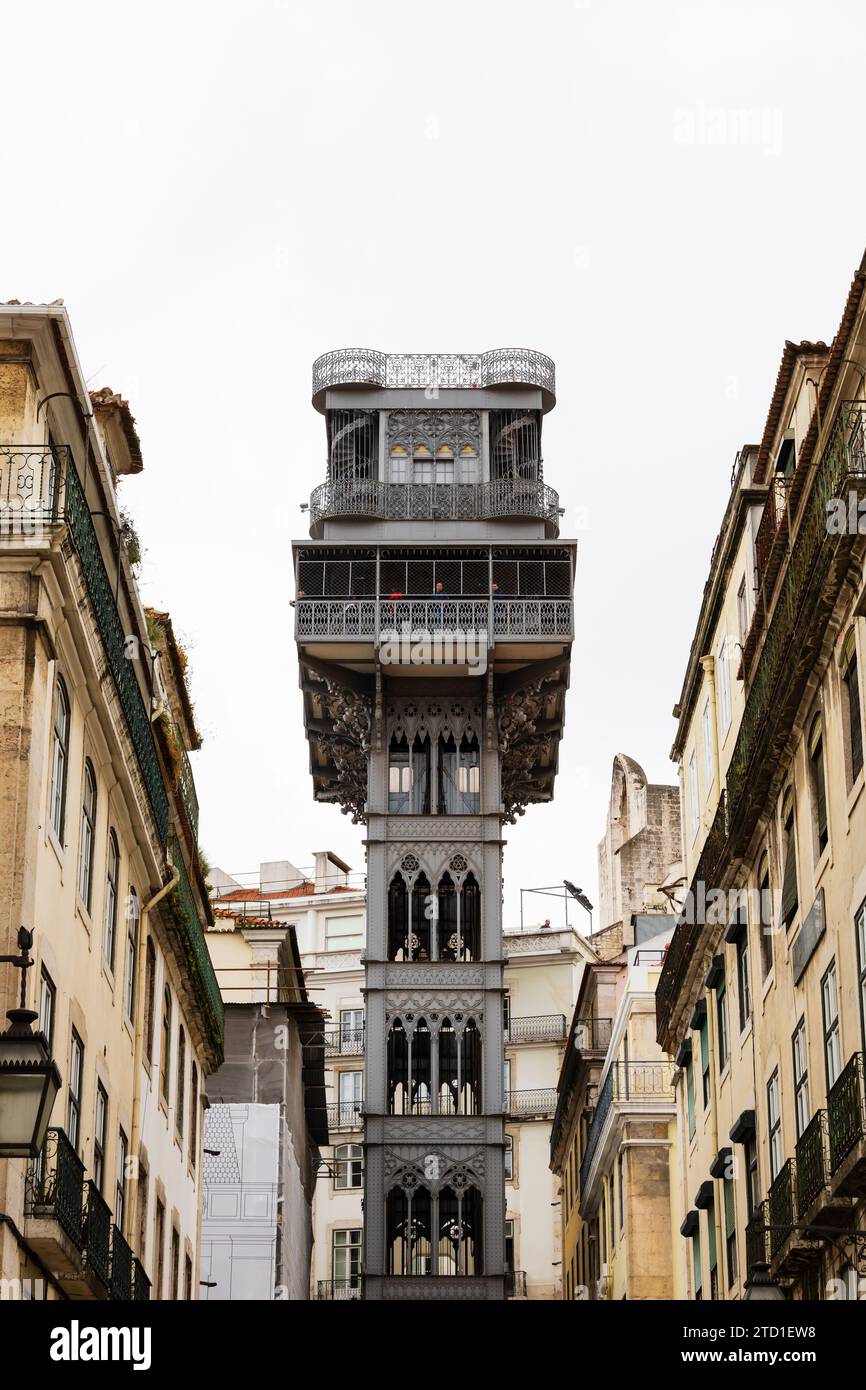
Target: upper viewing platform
{"x":423,"y":371}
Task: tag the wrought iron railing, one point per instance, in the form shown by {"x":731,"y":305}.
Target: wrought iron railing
{"x":140,"y":1283}
{"x":55,"y":1186}
{"x":515,"y":1283}
{"x":121,"y":1286}
{"x":186,"y":785}
{"x":638,"y":1083}
{"x":201,"y":971}
{"x":846,"y":1111}
{"x":340,"y":1289}
{"x":367,"y":367}
{"x":537,"y":1028}
{"x":31,"y":486}
{"x":114,"y":640}
{"x":780,"y":1207}
{"x":531,"y":1104}
{"x":97,"y":1234}
{"x":593,"y":1034}
{"x":689,"y":926}
{"x":813,"y":1172}
{"x":775,"y":509}
{"x":503,"y":497}
{"x":843,"y":456}
{"x":344,"y":1042}
{"x":347,"y":619}
{"x":345,"y":1114}
{"x":756,"y":1238}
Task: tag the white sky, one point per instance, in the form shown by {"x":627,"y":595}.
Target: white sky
{"x":220,"y":191}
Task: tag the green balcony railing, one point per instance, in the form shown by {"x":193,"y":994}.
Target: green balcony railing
{"x":846,"y":1111}
{"x":198,"y":959}
{"x":55,"y":1186}
{"x":843,"y":457}
{"x":121,"y":1267}
{"x":756,"y":1238}
{"x":188,"y":793}
{"x":114,"y":640}
{"x":812,"y":1167}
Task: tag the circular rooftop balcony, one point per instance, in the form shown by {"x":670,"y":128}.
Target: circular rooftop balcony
{"x":445,"y":371}
{"x":504,"y":497}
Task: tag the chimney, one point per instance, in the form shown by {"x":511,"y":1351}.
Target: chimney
{"x":331,"y":872}
{"x":278,"y":874}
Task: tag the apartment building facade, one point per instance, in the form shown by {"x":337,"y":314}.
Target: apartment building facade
{"x":100,"y":856}
{"x":613,"y":1142}
{"x":761,"y":998}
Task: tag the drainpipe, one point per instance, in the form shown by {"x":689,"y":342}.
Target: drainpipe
{"x":138,"y":1054}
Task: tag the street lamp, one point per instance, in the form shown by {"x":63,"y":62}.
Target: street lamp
{"x":29,"y":1079}
{"x":761,"y":1286}
{"x":581,"y":897}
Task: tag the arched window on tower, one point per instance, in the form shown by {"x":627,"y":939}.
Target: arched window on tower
{"x":408,"y":1230}
{"x":398,"y":919}
{"x":458,"y":1231}
{"x":459,"y":919}
{"x":459,"y":777}
{"x":469,"y":1097}
{"x":446,"y":919}
{"x":470,"y":919}
{"x":409,"y":777}
{"x":421,"y":915}
{"x":409,"y":1069}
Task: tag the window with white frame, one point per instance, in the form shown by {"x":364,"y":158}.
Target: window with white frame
{"x":88,"y":836}
{"x":348,"y":1166}
{"x":344,"y":933}
{"x":509,"y":1158}
{"x":801,"y":1077}
{"x":99,"y":1129}
{"x":133,"y":917}
{"x":351,"y":1094}
{"x":693,"y":794}
{"x":708,"y":743}
{"x":722,"y":667}
{"x":743,"y":612}
{"x":59,"y":759}
{"x":351,"y":1030}
{"x":120,"y":1180}
{"x":830,"y":1012}
{"x":76,"y":1081}
{"x":112,"y":873}
{"x":47,"y":1006}
{"x":346,"y":1260}
{"x":774,"y":1117}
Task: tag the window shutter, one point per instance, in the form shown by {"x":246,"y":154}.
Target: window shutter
{"x":789,"y":884}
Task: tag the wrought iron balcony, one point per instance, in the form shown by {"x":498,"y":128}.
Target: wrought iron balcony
{"x":340,"y":1289}
{"x":780,"y":1207}
{"x":774,"y":514}
{"x":31,"y":486}
{"x":846,"y":1112}
{"x":97,"y":1235}
{"x":505,"y":497}
{"x":344,"y":1042}
{"x":756,"y":1238}
{"x":345,"y":1114}
{"x":55,"y":1186}
{"x":641,"y":1084}
{"x":140,"y":1283}
{"x":419,"y":370}
{"x":121,"y":1286}
{"x":367,"y":619}
{"x":114,"y":641}
{"x":531,"y":1105}
{"x":593,"y":1034}
{"x":813,"y":1168}
{"x":201,"y":971}
{"x":515,"y":1283}
{"x":536,"y":1028}
{"x":189,"y":796}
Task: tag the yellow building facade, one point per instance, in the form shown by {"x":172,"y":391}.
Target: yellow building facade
{"x":100,"y":858}
{"x":761,"y":998}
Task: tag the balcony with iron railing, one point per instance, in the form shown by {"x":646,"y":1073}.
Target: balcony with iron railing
{"x":97,"y":1235}
{"x":813,"y":1162}
{"x":54,"y":1187}
{"x":846,"y":1123}
{"x":780,"y":1207}
{"x":344,"y":1042}
{"x":536,"y":1028}
{"x":635,"y":1086}
{"x":370,"y":619}
{"x":593,"y":1035}
{"x":122,"y":1274}
{"x":140,"y":1283}
{"x":757,"y":1238}
{"x":340,"y":1290}
{"x":538,"y":1104}
{"x":501,"y":498}
{"x":425,"y":370}
{"x":346,"y":1115}
{"x":200,"y":971}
